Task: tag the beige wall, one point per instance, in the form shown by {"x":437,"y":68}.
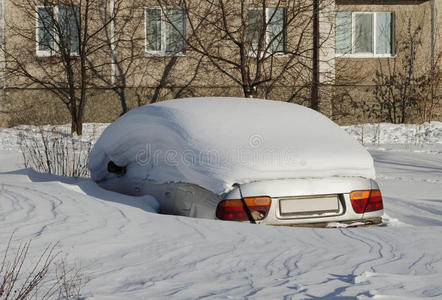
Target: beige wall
{"x":438,"y":30}
{"x":362,"y":70}
{"x":29,"y":105}
{"x":354,"y":99}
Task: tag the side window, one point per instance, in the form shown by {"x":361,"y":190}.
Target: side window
{"x":175,"y":29}
{"x":45,"y":30}
{"x":273,"y":40}
{"x":364,"y":33}
{"x":57,"y":30}
{"x":165,"y":31}
{"x":384,"y":33}
{"x":69,"y":21}
{"x":153,"y":29}
{"x":276,"y":29}
{"x":255,"y":25}
{"x":343,"y":32}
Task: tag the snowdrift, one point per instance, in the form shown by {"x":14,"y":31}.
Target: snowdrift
{"x":215,"y":142}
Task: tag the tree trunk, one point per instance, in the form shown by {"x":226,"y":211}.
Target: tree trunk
{"x":314,"y":101}
{"x":73,"y":125}
{"x":167,"y":70}
{"x":123,"y":101}
{"x":250,"y":91}
{"x":80,"y":124}
{"x":76,"y":119}
{"x":76,"y":123}
{"x":73,"y":112}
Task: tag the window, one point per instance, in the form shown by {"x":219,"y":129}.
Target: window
{"x":57,"y":30}
{"x":364,"y":34}
{"x":274,"y":37}
{"x":165,"y":31}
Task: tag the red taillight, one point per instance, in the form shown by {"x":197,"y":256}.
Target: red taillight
{"x":366,"y":201}
{"x":233,"y":210}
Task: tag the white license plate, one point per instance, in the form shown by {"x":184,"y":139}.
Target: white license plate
{"x":307,"y":205}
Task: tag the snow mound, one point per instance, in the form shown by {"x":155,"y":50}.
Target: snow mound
{"x":215,"y":142}
{"x":403,"y":134}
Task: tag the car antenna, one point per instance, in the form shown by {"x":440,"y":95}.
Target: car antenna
{"x":246,"y":208}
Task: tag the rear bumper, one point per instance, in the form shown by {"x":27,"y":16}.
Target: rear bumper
{"x":280,"y":190}
{"x":354,"y":223}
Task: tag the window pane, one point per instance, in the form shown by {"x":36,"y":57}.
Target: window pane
{"x":364,"y":33}
{"x":276,"y":29}
{"x":45,"y":30}
{"x":343,"y":32}
{"x":175,"y":28}
{"x":383,"y":33}
{"x":255,"y":25}
{"x":69,"y":20}
{"x":153,"y":29}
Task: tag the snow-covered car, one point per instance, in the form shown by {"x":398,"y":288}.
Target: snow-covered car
{"x":248,"y":160}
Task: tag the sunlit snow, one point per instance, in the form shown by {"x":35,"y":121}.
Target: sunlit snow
{"x":129,"y":252}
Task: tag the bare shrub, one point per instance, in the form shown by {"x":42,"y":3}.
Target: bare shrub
{"x":18,"y":284}
{"x":403,"y":87}
{"x":11,"y":272}
{"x":430,"y":94}
{"x":70,"y":281}
{"x":50,"y":150}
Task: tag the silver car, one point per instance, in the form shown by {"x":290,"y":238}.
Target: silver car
{"x":220,"y":158}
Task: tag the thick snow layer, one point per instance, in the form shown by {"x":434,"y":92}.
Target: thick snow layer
{"x":219,"y":141}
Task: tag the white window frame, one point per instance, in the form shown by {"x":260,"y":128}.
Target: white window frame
{"x":353,"y":40}
{"x":55,"y":51}
{"x":163,"y":51}
{"x":267,"y":35}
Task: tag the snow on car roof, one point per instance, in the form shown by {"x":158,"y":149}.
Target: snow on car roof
{"x":215,"y":142}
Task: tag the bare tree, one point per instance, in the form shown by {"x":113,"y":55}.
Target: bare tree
{"x":129,"y":65}
{"x":254,"y":45}
{"x":430,"y":91}
{"x":122,"y":49}
{"x":56,"y":55}
{"x":403,"y":87}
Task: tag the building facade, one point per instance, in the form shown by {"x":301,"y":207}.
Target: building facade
{"x":114,"y":55}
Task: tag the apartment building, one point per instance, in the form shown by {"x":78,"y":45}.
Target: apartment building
{"x":113,"y":55}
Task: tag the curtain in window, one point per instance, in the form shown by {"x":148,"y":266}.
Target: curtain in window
{"x":153,"y":29}
{"x":45,"y":29}
{"x":383,"y":33}
{"x":175,"y":28}
{"x":276,"y":29}
{"x":255,"y":24}
{"x":343,"y":32}
{"x":69,"y":21}
{"x":363,"y":33}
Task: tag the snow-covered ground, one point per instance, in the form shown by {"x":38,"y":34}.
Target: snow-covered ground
{"x":129,"y":252}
